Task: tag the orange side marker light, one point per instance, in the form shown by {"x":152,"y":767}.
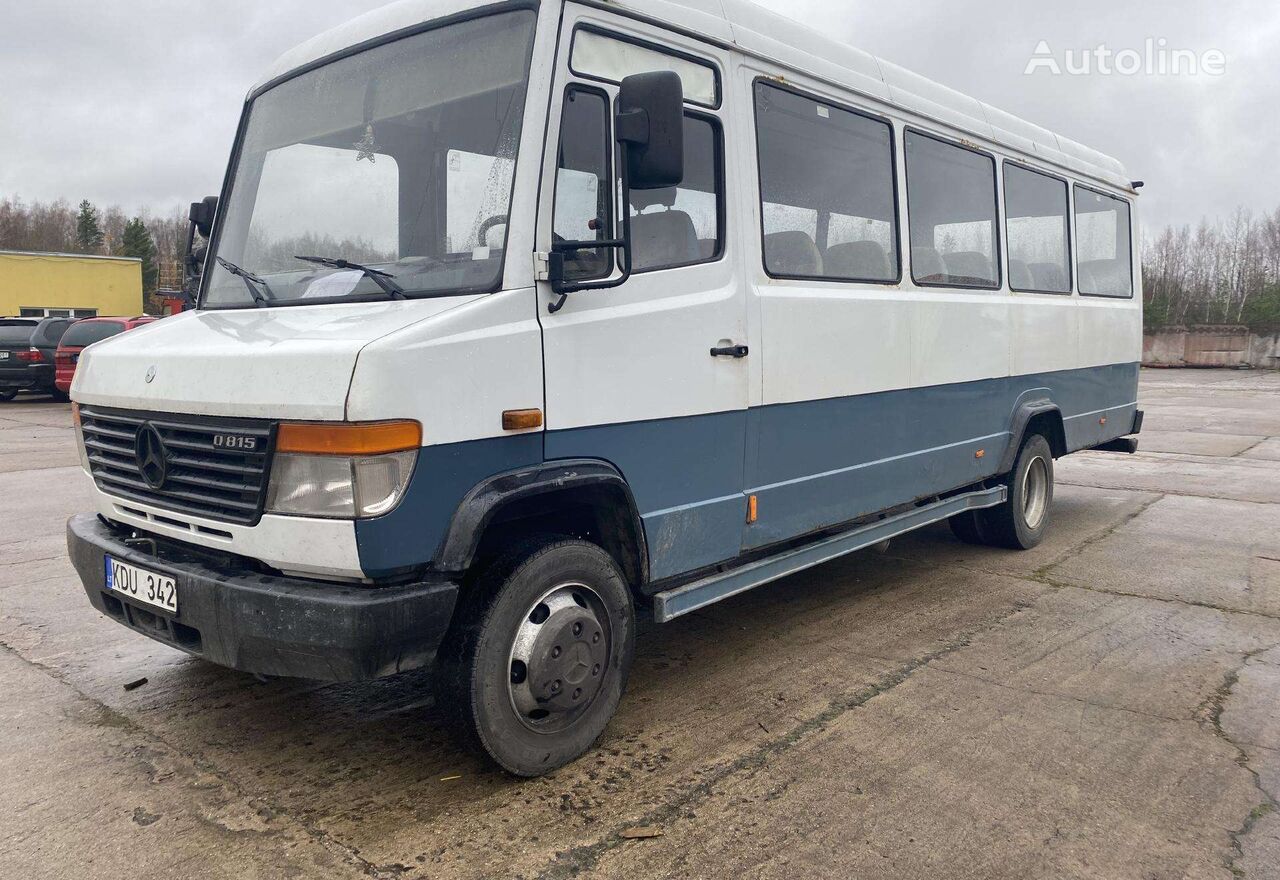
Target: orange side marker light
{"x":521,"y":419}
{"x":753,"y":509}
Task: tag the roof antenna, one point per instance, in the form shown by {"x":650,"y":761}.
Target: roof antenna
{"x":1137,"y":184}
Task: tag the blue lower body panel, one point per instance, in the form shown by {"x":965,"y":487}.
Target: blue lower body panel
{"x":812,"y":465}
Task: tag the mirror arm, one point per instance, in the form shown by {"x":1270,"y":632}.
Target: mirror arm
{"x":623,"y":245}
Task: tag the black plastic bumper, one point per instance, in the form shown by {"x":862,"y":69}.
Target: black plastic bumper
{"x":38,"y":377}
{"x":266,"y":624}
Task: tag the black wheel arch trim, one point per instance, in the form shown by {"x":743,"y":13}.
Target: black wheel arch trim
{"x":1033,"y":403}
{"x":483,"y":502}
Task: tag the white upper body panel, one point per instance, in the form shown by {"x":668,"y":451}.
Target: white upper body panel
{"x":764,"y":34}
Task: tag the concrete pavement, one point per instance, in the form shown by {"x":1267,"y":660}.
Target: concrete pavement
{"x":1102,"y":706}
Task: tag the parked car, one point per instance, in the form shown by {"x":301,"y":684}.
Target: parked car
{"x":27,"y":349}
{"x":83,"y":334}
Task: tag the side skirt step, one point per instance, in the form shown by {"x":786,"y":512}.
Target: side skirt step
{"x":677,"y":601}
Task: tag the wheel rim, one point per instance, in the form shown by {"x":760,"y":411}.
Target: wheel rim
{"x":559,"y":657}
{"x":1035,"y":492}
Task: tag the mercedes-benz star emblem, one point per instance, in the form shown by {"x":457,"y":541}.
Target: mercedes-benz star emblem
{"x":152,"y":457}
{"x":151,"y":373}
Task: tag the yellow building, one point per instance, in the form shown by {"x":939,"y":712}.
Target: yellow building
{"x":76,"y":285}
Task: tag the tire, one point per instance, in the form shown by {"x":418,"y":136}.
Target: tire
{"x":1021,"y":521}
{"x":6,"y":396}
{"x":59,"y":396}
{"x":540,"y":654}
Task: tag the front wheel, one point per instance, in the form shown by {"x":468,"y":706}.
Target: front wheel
{"x":541,"y":655}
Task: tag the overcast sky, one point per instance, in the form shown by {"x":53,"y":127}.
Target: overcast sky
{"x":135,"y":102}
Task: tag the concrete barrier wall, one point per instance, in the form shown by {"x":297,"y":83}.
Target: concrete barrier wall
{"x":1211,"y":346}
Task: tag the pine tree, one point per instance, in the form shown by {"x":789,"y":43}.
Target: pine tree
{"x":88,"y":232}
{"x":137,"y":243}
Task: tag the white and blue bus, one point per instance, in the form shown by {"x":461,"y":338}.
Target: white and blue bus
{"x":517,"y":317}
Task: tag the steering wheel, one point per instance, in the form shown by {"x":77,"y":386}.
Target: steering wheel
{"x":482,"y":236}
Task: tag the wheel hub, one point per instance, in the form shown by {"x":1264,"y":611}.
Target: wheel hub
{"x":559,"y":657}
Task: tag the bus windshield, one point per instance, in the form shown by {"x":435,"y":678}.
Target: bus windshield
{"x":398,"y":159}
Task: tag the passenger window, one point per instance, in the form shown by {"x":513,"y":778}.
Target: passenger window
{"x":827,"y":186}
{"x":681,"y":225}
{"x":584,"y":198}
{"x":1035,"y":211}
{"x":1103,"y":252}
{"x":951,"y":203}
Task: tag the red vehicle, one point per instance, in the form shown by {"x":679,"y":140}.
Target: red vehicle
{"x":84,"y":333}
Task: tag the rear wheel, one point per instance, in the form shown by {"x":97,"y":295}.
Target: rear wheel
{"x":6,"y":396}
{"x":1020,"y":522}
{"x":540,"y":657}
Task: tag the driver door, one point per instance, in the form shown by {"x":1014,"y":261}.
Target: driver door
{"x":630,"y":374}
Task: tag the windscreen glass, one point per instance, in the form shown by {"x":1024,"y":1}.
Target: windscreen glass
{"x":89,"y":332}
{"x":400,"y":158}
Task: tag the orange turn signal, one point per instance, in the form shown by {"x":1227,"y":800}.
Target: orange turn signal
{"x":340,"y":438}
{"x":753,"y":509}
{"x":521,"y":419}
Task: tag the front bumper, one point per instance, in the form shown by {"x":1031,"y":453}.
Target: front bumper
{"x":266,"y":624}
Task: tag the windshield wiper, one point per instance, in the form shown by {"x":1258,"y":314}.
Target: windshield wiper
{"x":262,"y":297}
{"x":385,"y":280}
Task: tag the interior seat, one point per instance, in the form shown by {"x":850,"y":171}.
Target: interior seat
{"x":968,"y":267}
{"x":927,"y":265}
{"x":1020,"y":276}
{"x":792,"y":253}
{"x":1049,"y":276}
{"x":858,"y":259}
{"x":661,"y":238}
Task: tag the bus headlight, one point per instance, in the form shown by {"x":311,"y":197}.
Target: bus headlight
{"x":343,"y":471}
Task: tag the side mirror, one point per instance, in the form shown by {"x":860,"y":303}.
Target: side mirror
{"x":650,"y":123}
{"x":649,"y":126}
{"x":202,"y":214}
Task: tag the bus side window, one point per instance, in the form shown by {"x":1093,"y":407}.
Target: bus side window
{"x":951,"y":209}
{"x":1104,"y":257}
{"x":583,"y":198}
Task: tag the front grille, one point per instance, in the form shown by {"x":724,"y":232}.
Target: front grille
{"x":201,"y":479}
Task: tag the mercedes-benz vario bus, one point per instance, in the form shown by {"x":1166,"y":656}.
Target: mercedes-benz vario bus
{"x":518,"y":317}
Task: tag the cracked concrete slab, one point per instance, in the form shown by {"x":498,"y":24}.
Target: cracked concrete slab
{"x":1200,"y":550}
{"x":1100,"y":706}
{"x":88,"y":795}
{"x":1197,"y":442}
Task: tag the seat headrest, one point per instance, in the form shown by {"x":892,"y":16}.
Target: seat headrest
{"x":647,"y":198}
{"x":792,"y":253}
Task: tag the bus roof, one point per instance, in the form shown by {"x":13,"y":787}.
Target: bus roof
{"x":757,"y":31}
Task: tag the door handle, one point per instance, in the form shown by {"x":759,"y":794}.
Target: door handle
{"x":733,"y":351}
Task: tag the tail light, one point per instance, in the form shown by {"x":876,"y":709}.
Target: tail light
{"x":30,"y":356}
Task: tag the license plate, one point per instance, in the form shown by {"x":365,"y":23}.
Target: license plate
{"x":156,"y":590}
